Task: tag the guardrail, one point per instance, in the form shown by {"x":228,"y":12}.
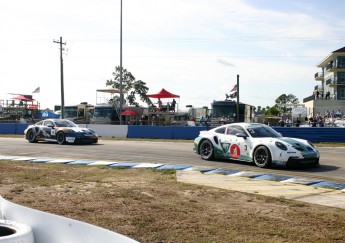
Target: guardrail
{"x":313,"y":134}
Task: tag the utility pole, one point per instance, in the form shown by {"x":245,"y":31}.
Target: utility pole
{"x":238,"y":99}
{"x":121,"y":88}
{"x":62,"y":115}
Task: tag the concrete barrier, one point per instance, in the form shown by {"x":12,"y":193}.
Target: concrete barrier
{"x":110,"y":131}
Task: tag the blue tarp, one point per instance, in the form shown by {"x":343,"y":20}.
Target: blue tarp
{"x":47,"y":114}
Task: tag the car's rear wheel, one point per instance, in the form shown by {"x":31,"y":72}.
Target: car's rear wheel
{"x":31,"y":136}
{"x":206,"y":150}
{"x":60,"y":137}
{"x":262,"y":157}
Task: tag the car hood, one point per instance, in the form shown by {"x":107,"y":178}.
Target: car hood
{"x":296,"y":143}
{"x":80,"y":129}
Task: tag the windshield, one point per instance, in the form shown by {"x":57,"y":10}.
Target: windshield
{"x":263,"y":132}
{"x":102,"y":112}
{"x":65,"y":123}
{"x":71,"y":112}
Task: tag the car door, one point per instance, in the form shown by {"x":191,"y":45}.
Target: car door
{"x":236,"y":143}
{"x":48,"y":130}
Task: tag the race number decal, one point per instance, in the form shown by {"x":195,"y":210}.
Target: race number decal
{"x":52,"y":132}
{"x":235,"y":151}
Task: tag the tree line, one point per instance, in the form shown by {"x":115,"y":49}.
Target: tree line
{"x":138,"y":88}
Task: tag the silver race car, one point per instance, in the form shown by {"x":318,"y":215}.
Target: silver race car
{"x":254,"y":142}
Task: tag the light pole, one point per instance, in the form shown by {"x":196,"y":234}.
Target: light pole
{"x":121,"y":88}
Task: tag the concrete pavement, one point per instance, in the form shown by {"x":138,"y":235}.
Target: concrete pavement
{"x":287,"y":190}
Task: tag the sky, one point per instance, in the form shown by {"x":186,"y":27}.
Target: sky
{"x":192,"y":48}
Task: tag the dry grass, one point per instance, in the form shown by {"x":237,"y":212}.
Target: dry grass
{"x":151,"y":206}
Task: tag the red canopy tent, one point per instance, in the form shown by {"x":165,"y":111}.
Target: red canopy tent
{"x":128,"y":112}
{"x":163,"y":94}
{"x":23,"y":98}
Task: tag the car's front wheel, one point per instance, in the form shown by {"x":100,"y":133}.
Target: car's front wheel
{"x":60,"y":137}
{"x":31,"y":136}
{"x":206,"y":150}
{"x":262,"y":157}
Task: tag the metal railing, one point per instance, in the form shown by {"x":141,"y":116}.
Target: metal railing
{"x":318,"y":75}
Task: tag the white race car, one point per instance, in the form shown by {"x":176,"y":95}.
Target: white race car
{"x":59,"y":130}
{"x":254,"y":142}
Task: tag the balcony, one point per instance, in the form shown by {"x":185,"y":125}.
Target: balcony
{"x":318,"y":87}
{"x":334,"y":82}
{"x":333,"y":68}
{"x":319,"y":76}
{"x":331,"y":83}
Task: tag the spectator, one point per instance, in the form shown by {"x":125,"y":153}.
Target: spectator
{"x":281,"y":122}
{"x":159,"y":103}
{"x":312,"y":121}
{"x":288,"y":122}
{"x":298,"y":122}
{"x":202,"y":121}
{"x":338,"y":114}
{"x":207,"y":122}
{"x":318,"y":117}
{"x":332,"y":120}
{"x":173,"y":104}
{"x":327,"y":113}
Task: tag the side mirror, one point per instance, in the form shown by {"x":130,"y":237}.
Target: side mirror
{"x":241,"y":135}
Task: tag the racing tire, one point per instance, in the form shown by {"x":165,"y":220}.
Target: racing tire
{"x":11,"y":231}
{"x":206,"y":150}
{"x":60,"y":138}
{"x":262,"y":157}
{"x":31,"y":136}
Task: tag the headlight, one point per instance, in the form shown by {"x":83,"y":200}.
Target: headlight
{"x":281,"y":145}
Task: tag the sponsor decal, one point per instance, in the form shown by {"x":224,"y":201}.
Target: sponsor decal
{"x":45,"y":134}
{"x":70,"y":139}
{"x":235,"y":151}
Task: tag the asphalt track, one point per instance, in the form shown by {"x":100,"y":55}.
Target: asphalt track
{"x":323,"y":185}
{"x":180,"y":153}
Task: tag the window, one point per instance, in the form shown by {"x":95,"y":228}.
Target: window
{"x":233,"y":130}
{"x":341,"y":62}
{"x":262,"y":132}
{"x":341,"y":78}
{"x":221,"y":130}
{"x":48,"y":124}
{"x":341,"y":93}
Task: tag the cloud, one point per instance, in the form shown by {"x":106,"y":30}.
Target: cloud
{"x":186,"y":47}
{"x":225,"y":63}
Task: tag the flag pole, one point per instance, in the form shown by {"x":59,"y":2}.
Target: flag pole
{"x":238,"y":99}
